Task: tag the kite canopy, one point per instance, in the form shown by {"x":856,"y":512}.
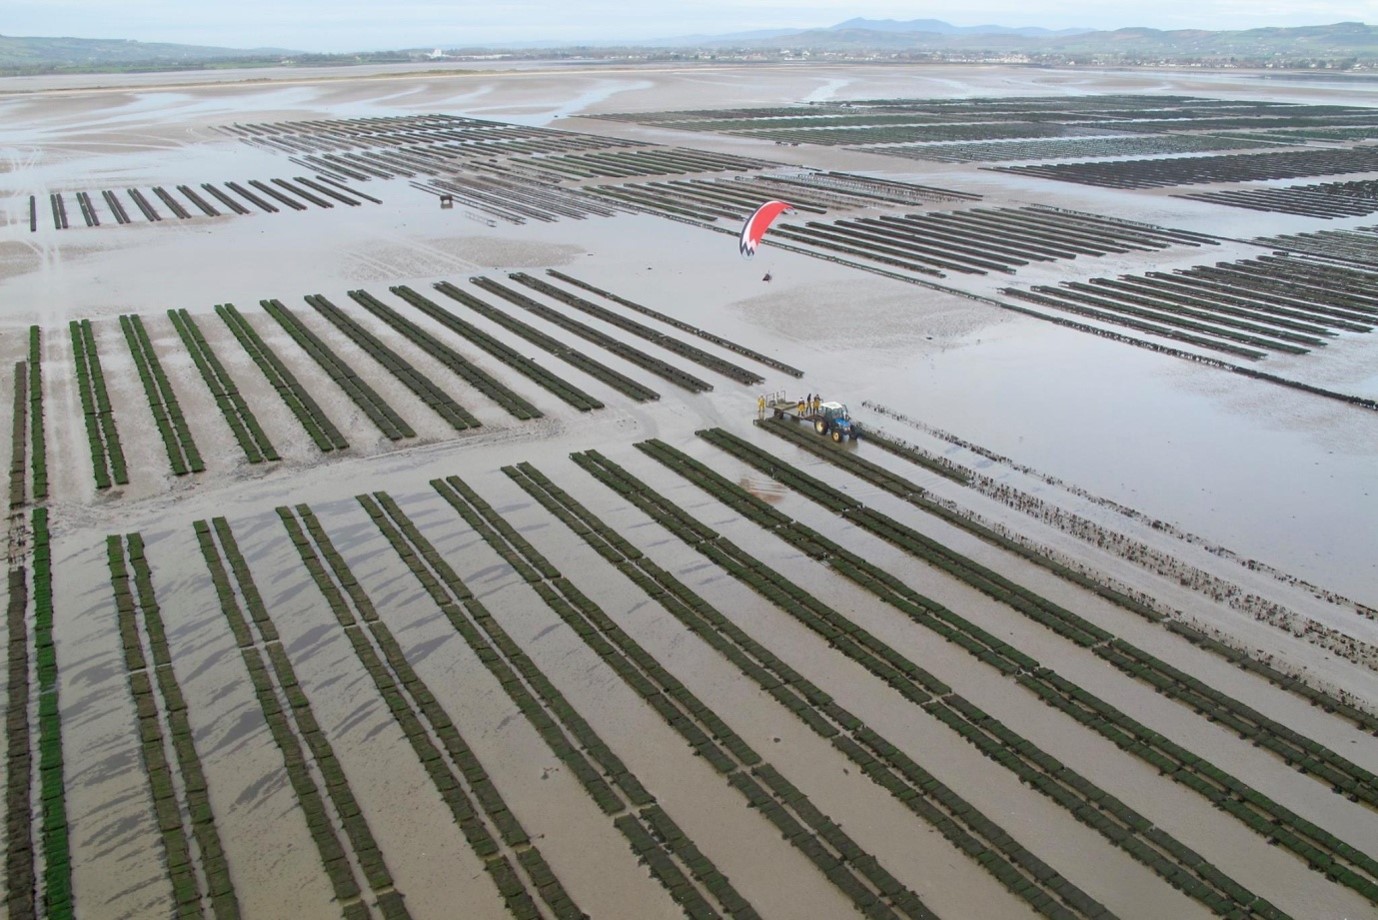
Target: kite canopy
{"x":757,"y":224}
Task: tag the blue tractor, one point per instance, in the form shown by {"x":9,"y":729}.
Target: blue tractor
{"x":834,"y":420}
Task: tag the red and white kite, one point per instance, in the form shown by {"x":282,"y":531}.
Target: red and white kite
{"x":757,"y":224}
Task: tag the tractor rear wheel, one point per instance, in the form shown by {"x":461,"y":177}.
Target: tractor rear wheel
{"x":819,"y":427}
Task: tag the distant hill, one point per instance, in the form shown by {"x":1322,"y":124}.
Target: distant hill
{"x":873,"y":29}
{"x":938,"y":27}
{"x":1338,"y":40}
{"x":58,"y":53}
{"x":1342,"y":45}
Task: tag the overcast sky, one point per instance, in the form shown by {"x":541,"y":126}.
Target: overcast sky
{"x":354,"y":25}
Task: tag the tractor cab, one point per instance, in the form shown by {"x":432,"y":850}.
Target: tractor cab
{"x":833,"y":419}
{"x":834,"y":411}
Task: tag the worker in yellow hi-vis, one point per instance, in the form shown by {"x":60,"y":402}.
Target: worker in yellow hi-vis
{"x":761,"y":406}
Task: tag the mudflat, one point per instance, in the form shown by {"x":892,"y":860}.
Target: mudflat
{"x":375,"y":557}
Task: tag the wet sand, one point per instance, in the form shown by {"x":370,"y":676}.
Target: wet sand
{"x":1269,"y":474}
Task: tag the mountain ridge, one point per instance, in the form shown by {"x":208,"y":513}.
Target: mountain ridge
{"x":65,"y":49}
{"x":1346,"y":42}
{"x":938,"y":26}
